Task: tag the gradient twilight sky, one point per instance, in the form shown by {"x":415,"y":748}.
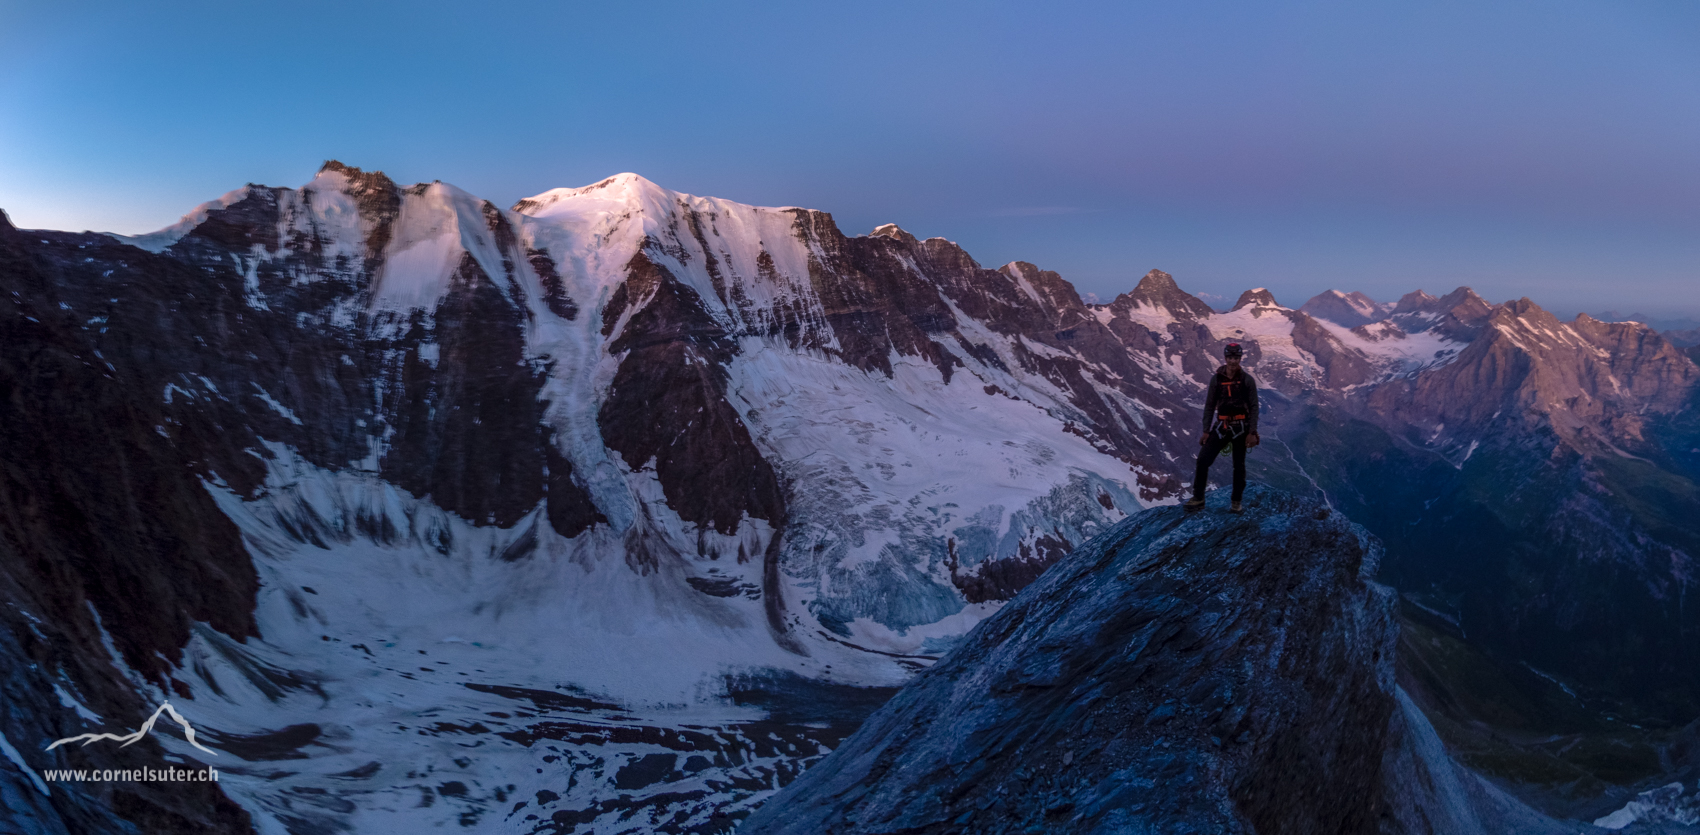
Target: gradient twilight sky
{"x":1544,"y":149}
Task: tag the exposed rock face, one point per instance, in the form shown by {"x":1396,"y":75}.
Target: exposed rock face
{"x":668,"y":404}
{"x":1426,"y":792}
{"x":102,"y":514}
{"x":1586,"y":381}
{"x":468,"y":429}
{"x":1341,"y":366}
{"x":1179,"y":673}
{"x":1458,"y":315}
{"x":1544,"y":426}
{"x":1158,"y":290}
{"x":1255,"y":297}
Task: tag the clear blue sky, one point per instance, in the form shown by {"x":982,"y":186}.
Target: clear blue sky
{"x":1544,"y":149}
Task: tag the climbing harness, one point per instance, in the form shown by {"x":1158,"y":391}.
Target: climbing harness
{"x":1230,"y":426}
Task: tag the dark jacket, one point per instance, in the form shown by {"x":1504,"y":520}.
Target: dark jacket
{"x":1231,"y":394}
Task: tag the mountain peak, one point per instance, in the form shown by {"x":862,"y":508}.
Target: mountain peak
{"x":1157,"y":281}
{"x":1525,"y":309}
{"x":623,"y":180}
{"x":360,"y":181}
{"x":1468,"y":308}
{"x":1259,"y":296}
{"x":1158,"y":289}
{"x":1414,"y":301}
{"x":1462,"y":295}
{"x":894,"y":232}
{"x":1347,"y":309}
{"x":340,"y":167}
{"x":624,"y":187}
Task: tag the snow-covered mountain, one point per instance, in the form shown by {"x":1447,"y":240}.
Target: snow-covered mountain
{"x":1349,"y":309}
{"x":678,"y":455}
{"x":623,"y":504}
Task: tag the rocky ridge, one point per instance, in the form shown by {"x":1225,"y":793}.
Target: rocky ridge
{"x":1179,"y":673}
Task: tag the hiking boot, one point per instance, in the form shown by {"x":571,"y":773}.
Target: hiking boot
{"x":1194,"y":504}
{"x":1235,"y":508}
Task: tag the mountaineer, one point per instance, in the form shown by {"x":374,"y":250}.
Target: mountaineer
{"x":1230,"y":417}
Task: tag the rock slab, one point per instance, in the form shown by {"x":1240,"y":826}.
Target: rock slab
{"x":1205,"y":672}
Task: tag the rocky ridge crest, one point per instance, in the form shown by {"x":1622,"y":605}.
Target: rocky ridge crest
{"x":1179,"y":673}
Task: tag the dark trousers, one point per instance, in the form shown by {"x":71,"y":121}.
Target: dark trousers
{"x":1207,"y":456}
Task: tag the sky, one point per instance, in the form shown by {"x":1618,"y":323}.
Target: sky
{"x":1548,"y":150}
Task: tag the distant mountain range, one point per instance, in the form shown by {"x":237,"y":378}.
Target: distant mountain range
{"x":1663,"y":324}
{"x":371,"y":475}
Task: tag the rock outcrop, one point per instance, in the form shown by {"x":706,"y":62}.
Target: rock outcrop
{"x":1179,"y":673}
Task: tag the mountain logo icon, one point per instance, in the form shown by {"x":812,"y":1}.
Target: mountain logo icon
{"x":131,"y":739}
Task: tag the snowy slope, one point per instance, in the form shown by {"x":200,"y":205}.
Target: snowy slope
{"x":888,"y":467}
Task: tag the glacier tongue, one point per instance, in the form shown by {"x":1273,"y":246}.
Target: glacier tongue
{"x":891,"y":482}
{"x":408,"y":675}
{"x":416,"y":668}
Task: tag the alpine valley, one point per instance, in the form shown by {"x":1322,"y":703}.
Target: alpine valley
{"x":615,"y":510}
